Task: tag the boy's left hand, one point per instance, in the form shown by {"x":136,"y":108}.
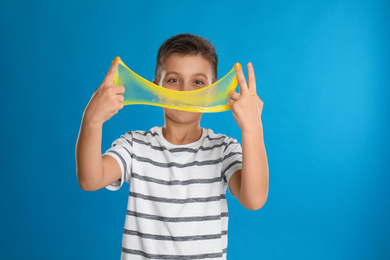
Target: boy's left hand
{"x":246,"y":105}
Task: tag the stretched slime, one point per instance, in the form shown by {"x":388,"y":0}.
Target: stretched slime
{"x":209,"y":99}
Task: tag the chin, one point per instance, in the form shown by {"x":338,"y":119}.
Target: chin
{"x":180,"y":116}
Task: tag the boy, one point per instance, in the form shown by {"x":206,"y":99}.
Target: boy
{"x":178,"y":173}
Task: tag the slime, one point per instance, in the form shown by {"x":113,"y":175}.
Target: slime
{"x":212,"y":98}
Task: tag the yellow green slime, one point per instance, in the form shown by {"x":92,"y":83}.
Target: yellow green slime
{"x":209,"y":99}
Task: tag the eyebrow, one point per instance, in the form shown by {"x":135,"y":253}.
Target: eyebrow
{"x":173,"y":72}
{"x":179,"y":74}
{"x":201,"y":74}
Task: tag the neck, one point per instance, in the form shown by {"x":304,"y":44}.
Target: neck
{"x":179,"y":134}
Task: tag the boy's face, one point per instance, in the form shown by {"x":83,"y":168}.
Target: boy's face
{"x":185,"y":73}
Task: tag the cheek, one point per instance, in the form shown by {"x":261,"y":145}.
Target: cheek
{"x":169,"y":85}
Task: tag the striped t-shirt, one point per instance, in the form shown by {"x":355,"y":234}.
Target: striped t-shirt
{"x":177,"y":206}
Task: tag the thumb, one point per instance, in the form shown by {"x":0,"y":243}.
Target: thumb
{"x":111,"y":71}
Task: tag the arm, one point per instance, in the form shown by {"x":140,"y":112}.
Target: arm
{"x":249,"y":185}
{"x":95,"y":171}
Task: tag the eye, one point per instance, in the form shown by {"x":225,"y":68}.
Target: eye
{"x":198,"y":82}
{"x":173,"y":80}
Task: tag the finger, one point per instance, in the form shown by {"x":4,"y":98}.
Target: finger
{"x":251,"y":78}
{"x":111,"y":71}
{"x":121,"y":98}
{"x":230,"y":102}
{"x":120,"y":106}
{"x":241,"y":79}
{"x":234,"y":95}
{"x":119,"y":89}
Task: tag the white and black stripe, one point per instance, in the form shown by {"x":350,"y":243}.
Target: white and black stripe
{"x":177,"y":219}
{"x":177,"y":206}
{"x":173,"y":257}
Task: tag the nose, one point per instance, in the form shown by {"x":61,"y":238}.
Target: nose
{"x":185,"y":86}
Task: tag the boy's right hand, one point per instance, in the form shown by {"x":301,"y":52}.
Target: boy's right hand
{"x":107,"y":100}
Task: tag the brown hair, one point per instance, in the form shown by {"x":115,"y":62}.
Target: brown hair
{"x":187,"y":44}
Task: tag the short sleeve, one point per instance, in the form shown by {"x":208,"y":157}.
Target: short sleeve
{"x":232,"y":160}
{"x":122,"y":150}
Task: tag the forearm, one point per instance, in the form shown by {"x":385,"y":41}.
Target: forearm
{"x":89,"y":164}
{"x":254,"y":176}
{"x":105,"y":102}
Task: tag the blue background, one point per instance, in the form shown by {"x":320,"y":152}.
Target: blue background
{"x":322,"y":70}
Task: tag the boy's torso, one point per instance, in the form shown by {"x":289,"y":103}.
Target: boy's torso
{"x":177,"y":207}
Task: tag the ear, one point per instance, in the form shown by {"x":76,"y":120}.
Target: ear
{"x":155,"y":81}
